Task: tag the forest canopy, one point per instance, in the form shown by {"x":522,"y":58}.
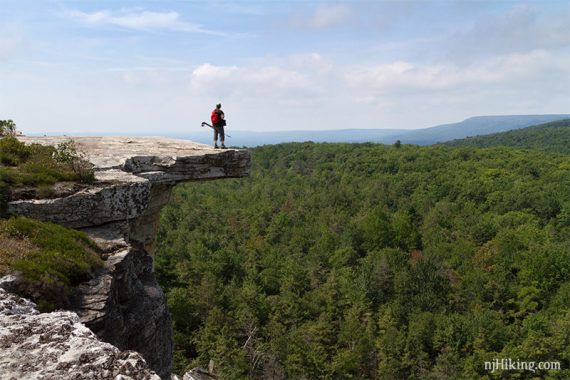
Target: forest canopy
{"x":552,"y":137}
{"x":364,"y":261}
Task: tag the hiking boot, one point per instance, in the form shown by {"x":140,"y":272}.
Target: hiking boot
{"x":216,"y":146}
{"x":224,"y":147}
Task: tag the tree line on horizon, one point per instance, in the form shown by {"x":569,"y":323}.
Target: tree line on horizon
{"x":551,"y":137}
{"x":365,"y":261}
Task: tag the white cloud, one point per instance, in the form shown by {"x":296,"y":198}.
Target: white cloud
{"x":207,"y":72}
{"x":385,"y":93}
{"x":405,"y":77}
{"x":138,"y":19}
{"x":296,"y":78}
{"x":272,"y":81}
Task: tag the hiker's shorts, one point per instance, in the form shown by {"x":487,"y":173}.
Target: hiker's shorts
{"x":220,"y":129}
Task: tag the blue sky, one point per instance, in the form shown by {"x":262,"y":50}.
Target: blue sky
{"x":158,"y":67}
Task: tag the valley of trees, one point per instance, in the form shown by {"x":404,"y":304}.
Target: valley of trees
{"x":364,"y":261}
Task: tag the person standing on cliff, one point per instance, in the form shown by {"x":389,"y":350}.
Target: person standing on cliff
{"x":218,"y":122}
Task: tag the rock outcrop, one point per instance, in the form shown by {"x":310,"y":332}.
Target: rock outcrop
{"x":123,"y":304}
{"x":58,"y":346}
{"x":198,"y":374}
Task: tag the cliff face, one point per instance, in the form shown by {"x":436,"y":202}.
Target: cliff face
{"x":123,"y":304}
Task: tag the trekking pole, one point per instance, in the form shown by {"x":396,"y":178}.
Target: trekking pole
{"x":214,"y":128}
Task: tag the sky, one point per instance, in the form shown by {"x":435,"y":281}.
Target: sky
{"x":159,"y":67}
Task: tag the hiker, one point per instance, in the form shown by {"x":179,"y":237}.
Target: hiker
{"x":218,"y":122}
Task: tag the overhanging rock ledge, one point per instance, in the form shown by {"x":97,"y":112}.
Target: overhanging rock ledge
{"x":124,"y":305}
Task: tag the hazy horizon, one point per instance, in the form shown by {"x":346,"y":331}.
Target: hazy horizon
{"x":474,"y":126}
{"x":229,"y":130}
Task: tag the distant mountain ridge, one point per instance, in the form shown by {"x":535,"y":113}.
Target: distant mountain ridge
{"x":551,"y":137}
{"x":254,"y":138}
{"x":474,"y":126}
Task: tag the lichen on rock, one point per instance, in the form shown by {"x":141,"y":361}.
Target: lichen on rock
{"x":58,"y":346}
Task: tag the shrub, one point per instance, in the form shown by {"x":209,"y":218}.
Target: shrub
{"x":66,"y":152}
{"x":7,"y":128}
{"x":52,"y":259}
{"x":13,"y":151}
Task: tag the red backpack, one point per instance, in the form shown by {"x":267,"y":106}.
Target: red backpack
{"x":215,"y":118}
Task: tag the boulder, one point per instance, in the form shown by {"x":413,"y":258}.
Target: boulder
{"x":58,"y":346}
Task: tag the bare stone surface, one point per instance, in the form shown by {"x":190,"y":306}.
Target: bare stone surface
{"x":113,"y":151}
{"x":126,"y":307}
{"x":153,"y":154}
{"x":123,"y":304}
{"x":198,"y":374}
{"x":93,"y":206}
{"x":58,"y":346}
{"x":110,"y":237}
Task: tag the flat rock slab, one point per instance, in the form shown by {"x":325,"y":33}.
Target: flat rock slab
{"x":107,"y":152}
{"x":126,"y":168}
